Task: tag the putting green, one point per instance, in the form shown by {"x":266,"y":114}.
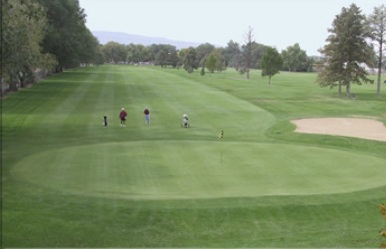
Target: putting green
{"x":207,"y":169}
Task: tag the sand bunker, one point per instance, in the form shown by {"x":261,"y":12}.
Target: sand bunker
{"x":349,"y":127}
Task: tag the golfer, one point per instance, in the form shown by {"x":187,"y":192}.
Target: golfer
{"x":185,"y":122}
{"x":122,"y":116}
{"x":221,"y":135}
{"x":146,"y":112}
{"x":105,"y":120}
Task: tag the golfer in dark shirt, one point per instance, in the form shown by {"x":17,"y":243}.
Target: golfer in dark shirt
{"x":146,"y":112}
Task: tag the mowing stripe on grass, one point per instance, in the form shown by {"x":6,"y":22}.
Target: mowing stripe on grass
{"x":75,"y":183}
{"x":188,"y":169}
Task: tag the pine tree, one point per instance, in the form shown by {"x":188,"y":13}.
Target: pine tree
{"x":347,"y":51}
{"x":378,"y":28}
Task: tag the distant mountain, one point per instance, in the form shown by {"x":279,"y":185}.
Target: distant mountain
{"x":124,"y":38}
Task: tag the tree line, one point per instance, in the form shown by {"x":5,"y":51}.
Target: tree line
{"x":239,"y":56}
{"x":41,"y":37}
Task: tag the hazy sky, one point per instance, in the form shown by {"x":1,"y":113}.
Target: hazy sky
{"x":277,"y":23}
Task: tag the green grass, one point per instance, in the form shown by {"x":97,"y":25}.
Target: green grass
{"x":200,"y":170}
{"x":67,"y":181}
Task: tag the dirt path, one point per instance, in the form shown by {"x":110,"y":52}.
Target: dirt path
{"x":349,"y":127}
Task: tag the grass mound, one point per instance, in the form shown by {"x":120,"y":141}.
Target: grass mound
{"x":184,"y":169}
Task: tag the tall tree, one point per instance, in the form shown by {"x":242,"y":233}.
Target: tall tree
{"x":202,"y":51}
{"x":378,"y":28}
{"x":203,"y":68}
{"x":247,"y":51}
{"x":294,"y":58}
{"x":89,"y":46}
{"x":220,"y":64}
{"x":114,"y":52}
{"x":22,"y":31}
{"x":67,"y":36}
{"x":164,"y":55}
{"x":137,"y":53}
{"x":220,"y":60}
{"x":346,"y":51}
{"x":257,"y":53}
{"x":232,"y":54}
{"x":271,"y":63}
{"x":189,"y":59}
{"x":211,"y":63}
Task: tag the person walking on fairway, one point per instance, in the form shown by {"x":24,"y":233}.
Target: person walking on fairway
{"x":122,"y":116}
{"x":146,"y":112}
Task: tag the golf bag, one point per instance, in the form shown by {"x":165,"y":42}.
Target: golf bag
{"x":185,"y":121}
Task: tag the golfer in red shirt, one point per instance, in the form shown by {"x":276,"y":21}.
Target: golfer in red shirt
{"x":122,"y":116}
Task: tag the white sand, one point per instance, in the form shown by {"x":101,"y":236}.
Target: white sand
{"x":349,"y":127}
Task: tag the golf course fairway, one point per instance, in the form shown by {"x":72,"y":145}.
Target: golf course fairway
{"x":68,"y":181}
